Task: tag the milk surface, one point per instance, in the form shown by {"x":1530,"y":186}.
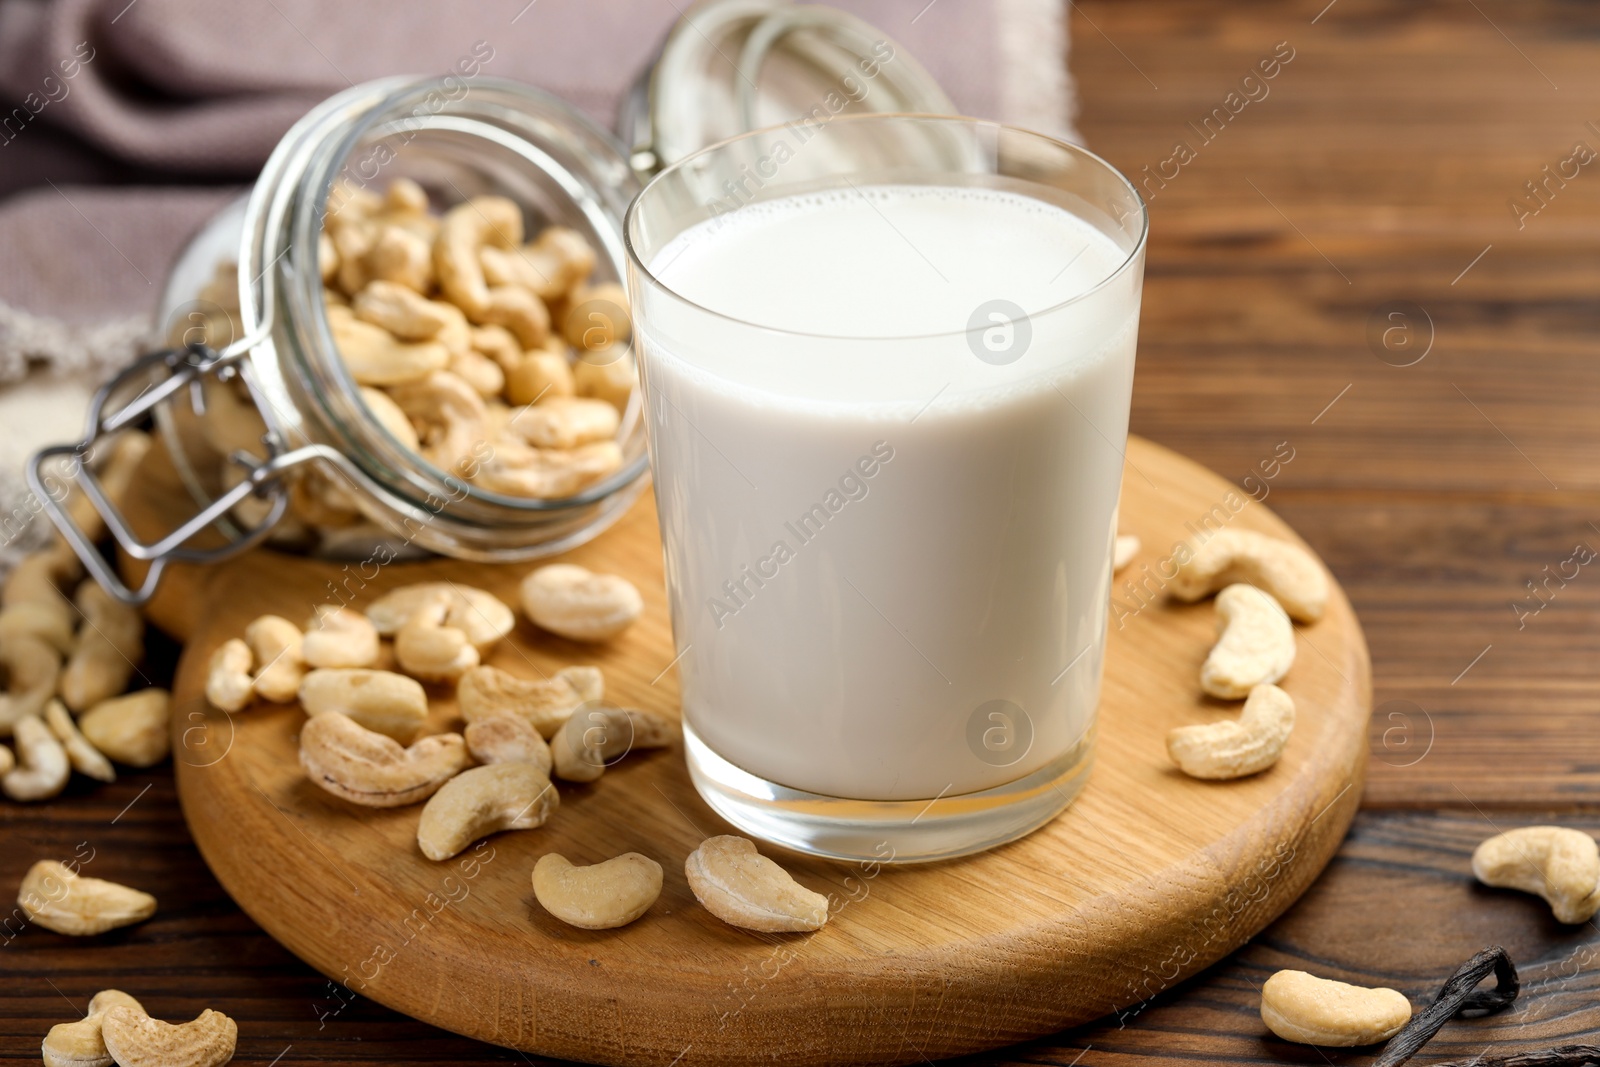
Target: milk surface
{"x":881,"y":528}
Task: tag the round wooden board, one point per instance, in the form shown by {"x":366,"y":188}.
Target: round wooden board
{"x":1148,"y":878}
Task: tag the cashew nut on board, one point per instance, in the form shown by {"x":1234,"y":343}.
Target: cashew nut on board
{"x":42,"y":767}
{"x":744,"y":888}
{"x":133,"y":729}
{"x":383,"y":701}
{"x":365,"y":767}
{"x":1255,"y":643}
{"x":545,"y":703}
{"x":577,"y":603}
{"x":598,"y":736}
{"x":1234,"y":748}
{"x":483,"y":801}
{"x":507,"y":739}
{"x":1228,"y":556}
{"x":601,"y":896}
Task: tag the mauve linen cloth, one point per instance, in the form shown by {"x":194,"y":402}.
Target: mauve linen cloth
{"x":190,"y":96}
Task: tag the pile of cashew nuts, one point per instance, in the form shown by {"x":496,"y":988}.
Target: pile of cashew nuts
{"x":69,"y":652}
{"x":363,"y":740}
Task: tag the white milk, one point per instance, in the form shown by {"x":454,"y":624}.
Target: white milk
{"x":873,"y":533}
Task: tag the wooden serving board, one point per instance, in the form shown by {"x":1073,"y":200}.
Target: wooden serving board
{"x":1148,"y":878}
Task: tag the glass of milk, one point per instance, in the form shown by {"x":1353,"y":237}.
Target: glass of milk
{"x":886,"y":363}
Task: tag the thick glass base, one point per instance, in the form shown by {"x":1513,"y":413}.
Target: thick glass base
{"x":882,"y":831}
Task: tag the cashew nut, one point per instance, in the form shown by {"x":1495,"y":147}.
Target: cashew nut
{"x":497,"y":343}
{"x":7,"y":760}
{"x":605,"y":374}
{"x":80,"y":1044}
{"x":58,"y":898}
{"x":32,"y":619}
{"x":339,"y":637}
{"x":1559,"y":864}
{"x":1236,"y":747}
{"x":382,"y":701}
{"x":465,"y":228}
{"x":478,"y":614}
{"x":401,"y":310}
{"x":32,"y":669}
{"x":136,"y":1040}
{"x":229,"y":685}
{"x":545,"y":704}
{"x":84,"y":757}
{"x":743,"y":888}
{"x":42,"y":769}
{"x":38,"y":579}
{"x":596,"y":737}
{"x":1126,"y":548}
{"x":374,"y":356}
{"x":539,"y":375}
{"x":1255,"y":646}
{"x":597,"y":316}
{"x":1308,"y":1010}
{"x":133,"y":729}
{"x":576,"y":603}
{"x":546,"y":473}
{"x":551,"y":265}
{"x":518,"y":310}
{"x":449,"y":416}
{"x":1290,"y":573}
{"x":428,"y":649}
{"x":365,"y":767}
{"x":567,"y":422}
{"x":276,"y":643}
{"x":110,"y":642}
{"x":397,"y":255}
{"x":480,"y":372}
{"x":483,"y":801}
{"x":601,"y":896}
{"x":507,"y":739}
{"x":388,"y":415}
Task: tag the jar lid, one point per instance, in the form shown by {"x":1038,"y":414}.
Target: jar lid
{"x":731,"y":66}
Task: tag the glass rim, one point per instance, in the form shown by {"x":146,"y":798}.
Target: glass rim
{"x":1133,"y":255}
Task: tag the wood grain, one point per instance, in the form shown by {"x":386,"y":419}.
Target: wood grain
{"x":1148,"y":872}
{"x":1393,"y":142}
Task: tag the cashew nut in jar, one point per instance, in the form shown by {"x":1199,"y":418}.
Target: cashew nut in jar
{"x":449,"y":416}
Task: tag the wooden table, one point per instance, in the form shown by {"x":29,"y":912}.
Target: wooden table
{"x":1378,"y":169}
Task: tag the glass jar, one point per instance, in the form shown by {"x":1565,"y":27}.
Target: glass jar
{"x":258,"y":412}
{"x":457,"y":138}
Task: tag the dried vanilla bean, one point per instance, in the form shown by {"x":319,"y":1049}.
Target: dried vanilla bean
{"x":1560,"y":1056}
{"x":1458,"y":994}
